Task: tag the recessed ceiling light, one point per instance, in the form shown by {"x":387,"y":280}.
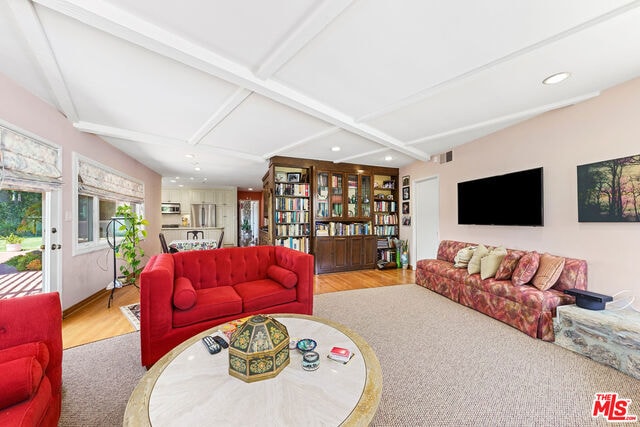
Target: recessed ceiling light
{"x":250,"y":188}
{"x":556,"y":78}
{"x":192,"y":178}
{"x":180,"y":185}
{"x":177,"y":177}
{"x":172,"y":180}
{"x":336,"y":148}
{"x":388,"y":158}
{"x":189,"y":156}
{"x":197,"y":168}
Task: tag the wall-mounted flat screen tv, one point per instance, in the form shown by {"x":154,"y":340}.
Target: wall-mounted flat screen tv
{"x":511,"y":199}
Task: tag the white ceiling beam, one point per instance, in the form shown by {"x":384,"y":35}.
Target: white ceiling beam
{"x":508,"y":118}
{"x":115,"y":21}
{"x":146,"y":138}
{"x":450,"y":83}
{"x":306,"y":140}
{"x":306,"y":31}
{"x":225,"y":109}
{"x":37,"y":40}
{"x":129,"y":135}
{"x":357,"y":156}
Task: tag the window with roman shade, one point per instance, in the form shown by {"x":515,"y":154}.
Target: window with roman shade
{"x":97,"y":180}
{"x":27,"y":163}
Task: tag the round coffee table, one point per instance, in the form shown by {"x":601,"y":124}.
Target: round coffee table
{"x":189,"y":386}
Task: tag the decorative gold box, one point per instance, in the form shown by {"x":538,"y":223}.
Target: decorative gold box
{"x":259,"y":349}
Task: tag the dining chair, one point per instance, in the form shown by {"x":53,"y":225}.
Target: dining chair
{"x":195,"y":234}
{"x":163,"y":242}
{"x":220,"y":239}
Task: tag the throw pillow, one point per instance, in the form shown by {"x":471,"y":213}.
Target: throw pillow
{"x":22,"y":382}
{"x":463,"y":257}
{"x":526,"y":268}
{"x":184,"y":295}
{"x":474,"y":263}
{"x":548,"y":272}
{"x":489,"y":264}
{"x":286,"y":278}
{"x":508,"y":265}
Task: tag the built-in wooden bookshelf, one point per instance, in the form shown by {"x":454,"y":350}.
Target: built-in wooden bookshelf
{"x":336,"y":202}
{"x":385,"y":216}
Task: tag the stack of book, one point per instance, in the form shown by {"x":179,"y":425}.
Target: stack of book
{"x":340,"y":354}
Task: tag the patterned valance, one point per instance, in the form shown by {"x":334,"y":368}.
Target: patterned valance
{"x":28,"y":164}
{"x":98,"y":180}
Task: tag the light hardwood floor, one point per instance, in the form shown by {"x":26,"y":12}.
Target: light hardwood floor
{"x":93,"y":321}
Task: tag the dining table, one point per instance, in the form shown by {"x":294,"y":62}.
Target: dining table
{"x":193,"y":244}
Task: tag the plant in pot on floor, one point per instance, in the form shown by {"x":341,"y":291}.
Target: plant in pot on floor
{"x":14,"y":243}
{"x":132,"y":231}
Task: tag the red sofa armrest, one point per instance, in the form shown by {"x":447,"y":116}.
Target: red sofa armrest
{"x":156,"y":303}
{"x":301,"y":264}
{"x":36,"y":318}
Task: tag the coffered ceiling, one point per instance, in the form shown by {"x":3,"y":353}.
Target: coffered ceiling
{"x":232,"y":83}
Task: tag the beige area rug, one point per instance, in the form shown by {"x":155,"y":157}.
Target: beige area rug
{"x":443,"y":364}
{"x":132,"y":313}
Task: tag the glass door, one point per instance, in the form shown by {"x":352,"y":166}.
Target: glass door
{"x":29,"y":246}
{"x":365,"y":196}
{"x":336,"y":195}
{"x":322,"y":195}
{"x":352,"y":196}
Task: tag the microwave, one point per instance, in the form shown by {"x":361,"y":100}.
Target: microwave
{"x":170,"y":208}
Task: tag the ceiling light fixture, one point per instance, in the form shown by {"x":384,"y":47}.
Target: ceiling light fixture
{"x":335,"y":148}
{"x":189,"y":156}
{"x":197,"y":168}
{"x":388,"y":158}
{"x":250,"y":188}
{"x":556,"y":78}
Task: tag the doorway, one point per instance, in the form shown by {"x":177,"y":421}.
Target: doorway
{"x":30,"y":243}
{"x":427,"y":211}
{"x":249,"y":222}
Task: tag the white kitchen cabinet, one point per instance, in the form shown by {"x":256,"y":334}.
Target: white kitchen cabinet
{"x":171,"y":195}
{"x":202,"y":196}
{"x":226,"y":217}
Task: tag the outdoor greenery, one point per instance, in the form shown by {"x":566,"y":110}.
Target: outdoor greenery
{"x":29,"y":261}
{"x":20,"y":213}
{"x":12,"y":239}
{"x":132,"y":231}
{"x":28,"y":244}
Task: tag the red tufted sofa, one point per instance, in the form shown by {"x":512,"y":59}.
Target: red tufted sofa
{"x":524,"y":307}
{"x":31,"y":360}
{"x":184,"y":293}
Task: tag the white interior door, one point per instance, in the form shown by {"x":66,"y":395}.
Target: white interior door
{"x":426,"y":218}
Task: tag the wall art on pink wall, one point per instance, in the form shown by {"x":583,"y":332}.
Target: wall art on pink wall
{"x":609,"y":191}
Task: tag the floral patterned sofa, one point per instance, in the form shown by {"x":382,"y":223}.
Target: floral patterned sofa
{"x":522,"y":306}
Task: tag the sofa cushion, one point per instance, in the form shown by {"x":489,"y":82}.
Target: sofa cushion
{"x":526,"y":269}
{"x":211,"y":303}
{"x":508,"y":265}
{"x":184,"y":296}
{"x":286,"y":278}
{"x":474,"y":264}
{"x":260,"y":294}
{"x":463,"y":257}
{"x":38,"y":349}
{"x":548,"y":271}
{"x":20,"y":380}
{"x":447,"y":249}
{"x":489,"y":264}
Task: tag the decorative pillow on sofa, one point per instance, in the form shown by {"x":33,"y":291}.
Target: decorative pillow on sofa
{"x":474,"y":263}
{"x":184,"y":295}
{"x":526,"y":269}
{"x":548,"y":271}
{"x":463,"y":257}
{"x":286,"y":278}
{"x":22,"y":382}
{"x":489,"y":264}
{"x":508,"y":265}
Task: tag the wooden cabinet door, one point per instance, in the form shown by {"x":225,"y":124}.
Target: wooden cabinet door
{"x":356,"y":248}
{"x":369,"y":251}
{"x":323,"y":253}
{"x":341,"y":252}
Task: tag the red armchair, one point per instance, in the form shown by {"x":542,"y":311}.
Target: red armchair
{"x":31,"y":360}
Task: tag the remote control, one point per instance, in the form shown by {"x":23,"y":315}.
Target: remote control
{"x":212,"y":346}
{"x":220,"y":340}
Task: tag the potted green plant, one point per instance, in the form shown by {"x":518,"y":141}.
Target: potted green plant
{"x":14,"y":243}
{"x":132,"y":231}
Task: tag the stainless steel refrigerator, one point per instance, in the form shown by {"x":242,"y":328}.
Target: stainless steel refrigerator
{"x":203,"y":215}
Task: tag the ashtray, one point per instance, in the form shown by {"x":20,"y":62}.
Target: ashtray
{"x":306,"y":344}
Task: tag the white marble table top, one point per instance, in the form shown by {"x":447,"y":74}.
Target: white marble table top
{"x":189,"y":386}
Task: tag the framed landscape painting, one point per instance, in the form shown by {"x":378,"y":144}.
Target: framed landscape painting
{"x":609,"y":191}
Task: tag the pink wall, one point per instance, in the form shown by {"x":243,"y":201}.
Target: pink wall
{"x":82,"y":275}
{"x":602,"y":128}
